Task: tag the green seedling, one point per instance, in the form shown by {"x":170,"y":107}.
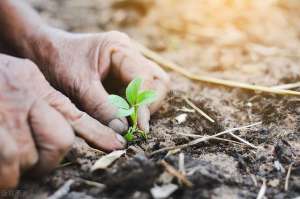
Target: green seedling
{"x":129,"y":106}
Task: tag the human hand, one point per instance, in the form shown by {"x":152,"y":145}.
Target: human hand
{"x":80,"y":64}
{"x":35,"y":123}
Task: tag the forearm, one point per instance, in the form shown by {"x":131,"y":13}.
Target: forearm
{"x":22,"y":29}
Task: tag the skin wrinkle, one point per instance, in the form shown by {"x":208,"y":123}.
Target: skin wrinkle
{"x":105,"y":48}
{"x":74,"y":120}
{"x":8,"y":83}
{"x":96,"y":62}
{"x":72,"y":86}
{"x":116,"y":47}
{"x":104,"y":65}
{"x":7,"y":77}
{"x":75,"y":92}
{"x":121,"y":61}
{"x":58,"y":101}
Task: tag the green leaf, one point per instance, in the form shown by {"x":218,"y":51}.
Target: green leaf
{"x":129,"y":136}
{"x":118,"y":101}
{"x":146,"y":97}
{"x":132,"y":90}
{"x":125,"y":112}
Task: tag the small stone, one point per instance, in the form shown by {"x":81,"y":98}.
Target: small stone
{"x":274,"y":183}
{"x":160,"y":192}
{"x":181,"y":118}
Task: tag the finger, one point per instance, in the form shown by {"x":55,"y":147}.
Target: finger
{"x":9,"y":161}
{"x":85,"y":126}
{"x":97,"y":134}
{"x":53,"y":136}
{"x":95,"y":102}
{"x":21,"y":133}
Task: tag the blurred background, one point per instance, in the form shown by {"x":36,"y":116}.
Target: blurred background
{"x":252,"y":41}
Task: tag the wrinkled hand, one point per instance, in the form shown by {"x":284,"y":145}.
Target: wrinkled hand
{"x":36,"y":120}
{"x":78,"y":64}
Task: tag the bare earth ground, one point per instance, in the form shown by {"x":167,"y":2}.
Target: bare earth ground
{"x":257,"y":42}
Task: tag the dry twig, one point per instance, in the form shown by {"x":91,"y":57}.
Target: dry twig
{"x":286,"y":184}
{"x":182,"y":178}
{"x":205,"y":138}
{"x":198,"y":109}
{"x":62,"y":191}
{"x":199,"y":140}
{"x":254,"y":179}
{"x":243,"y":140}
{"x":181,"y":166}
{"x":172,"y":66}
{"x":214,"y":138}
{"x":262,"y":190}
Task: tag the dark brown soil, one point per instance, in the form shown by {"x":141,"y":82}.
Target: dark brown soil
{"x":250,"y":41}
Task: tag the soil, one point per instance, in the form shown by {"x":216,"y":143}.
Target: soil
{"x":257,"y":42}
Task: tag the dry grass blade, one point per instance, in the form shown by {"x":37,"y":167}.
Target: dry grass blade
{"x":65,"y":165}
{"x":181,"y":166}
{"x":172,"y":66}
{"x":214,"y":138}
{"x":94,"y":184}
{"x":286,"y":184}
{"x":199,"y":140}
{"x":191,"y":104}
{"x":182,"y":178}
{"x":262,"y":191}
{"x":244,"y":141}
{"x":287,"y":86}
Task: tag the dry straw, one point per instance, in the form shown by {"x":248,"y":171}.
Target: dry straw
{"x":172,"y":66}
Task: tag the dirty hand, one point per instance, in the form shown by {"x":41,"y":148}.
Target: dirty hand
{"x":35,"y":122}
{"x":79,"y":64}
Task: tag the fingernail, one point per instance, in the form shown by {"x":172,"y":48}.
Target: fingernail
{"x":117,"y":125}
{"x":121,"y":139}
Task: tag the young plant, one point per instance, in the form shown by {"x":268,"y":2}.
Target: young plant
{"x":129,"y":106}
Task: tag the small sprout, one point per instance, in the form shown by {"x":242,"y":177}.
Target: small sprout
{"x":129,"y":106}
